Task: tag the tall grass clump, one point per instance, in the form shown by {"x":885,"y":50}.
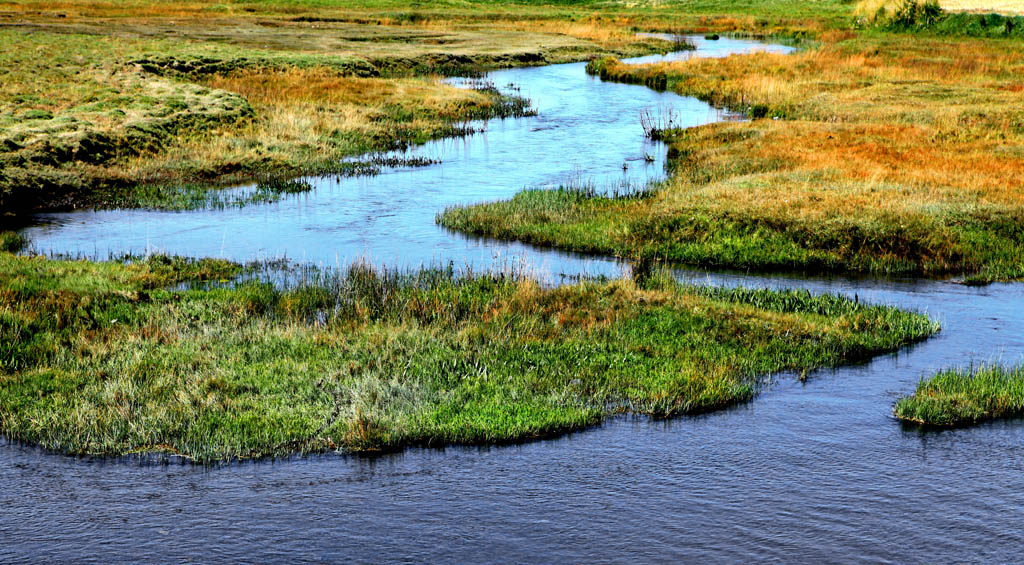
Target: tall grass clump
{"x":366,"y":293}
{"x":959,"y":397}
{"x":660,"y":124}
{"x":612,"y":69}
{"x":911,"y":14}
{"x":901,"y":14}
{"x":505,"y":105}
{"x":12,"y":242}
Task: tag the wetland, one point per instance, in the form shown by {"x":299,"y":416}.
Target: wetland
{"x":507,"y":335}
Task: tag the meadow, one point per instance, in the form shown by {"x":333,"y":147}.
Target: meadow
{"x":111,"y":104}
{"x":89,"y":121}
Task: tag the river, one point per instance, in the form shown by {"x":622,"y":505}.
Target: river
{"x":812,"y":471}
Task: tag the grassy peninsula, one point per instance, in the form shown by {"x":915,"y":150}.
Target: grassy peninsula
{"x":99,"y":358}
{"x":892,"y":149}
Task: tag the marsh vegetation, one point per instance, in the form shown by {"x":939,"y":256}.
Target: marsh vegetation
{"x":100,"y":358}
{"x":109,"y":133}
{"x":873,"y":153}
{"x":99,"y":99}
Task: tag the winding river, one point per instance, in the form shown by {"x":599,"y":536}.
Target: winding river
{"x":807,"y":471}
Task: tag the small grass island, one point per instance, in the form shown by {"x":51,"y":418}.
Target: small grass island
{"x":962,"y":397}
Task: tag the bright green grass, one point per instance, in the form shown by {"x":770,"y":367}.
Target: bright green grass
{"x":957,"y":397}
{"x":98,"y":358}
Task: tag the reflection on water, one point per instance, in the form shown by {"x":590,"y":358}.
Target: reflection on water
{"x":815,"y":471}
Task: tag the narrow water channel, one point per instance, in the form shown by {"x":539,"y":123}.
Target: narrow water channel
{"x":807,"y":471}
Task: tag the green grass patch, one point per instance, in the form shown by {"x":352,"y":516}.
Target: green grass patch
{"x":981,"y":247}
{"x":570,"y":217}
{"x":960,"y":397}
{"x":101,"y":358}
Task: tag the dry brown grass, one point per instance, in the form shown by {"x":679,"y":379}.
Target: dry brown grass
{"x":323,"y":86}
{"x":930,"y":121}
{"x":312,"y":115}
{"x":815,"y":173}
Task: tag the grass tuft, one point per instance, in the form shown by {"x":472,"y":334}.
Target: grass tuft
{"x":12,"y":242}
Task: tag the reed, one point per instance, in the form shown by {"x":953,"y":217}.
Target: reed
{"x":660,"y":124}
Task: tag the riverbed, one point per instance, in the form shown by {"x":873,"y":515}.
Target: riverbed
{"x":816,"y":470}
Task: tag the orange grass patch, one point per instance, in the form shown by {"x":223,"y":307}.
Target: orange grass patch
{"x":910,"y":116}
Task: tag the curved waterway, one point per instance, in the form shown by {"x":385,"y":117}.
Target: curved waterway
{"x":586,"y":131}
{"x":814,"y":471}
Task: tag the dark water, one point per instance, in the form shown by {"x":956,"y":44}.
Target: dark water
{"x":815,"y":471}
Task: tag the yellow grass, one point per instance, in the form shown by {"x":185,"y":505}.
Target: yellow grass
{"x":300,"y":111}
